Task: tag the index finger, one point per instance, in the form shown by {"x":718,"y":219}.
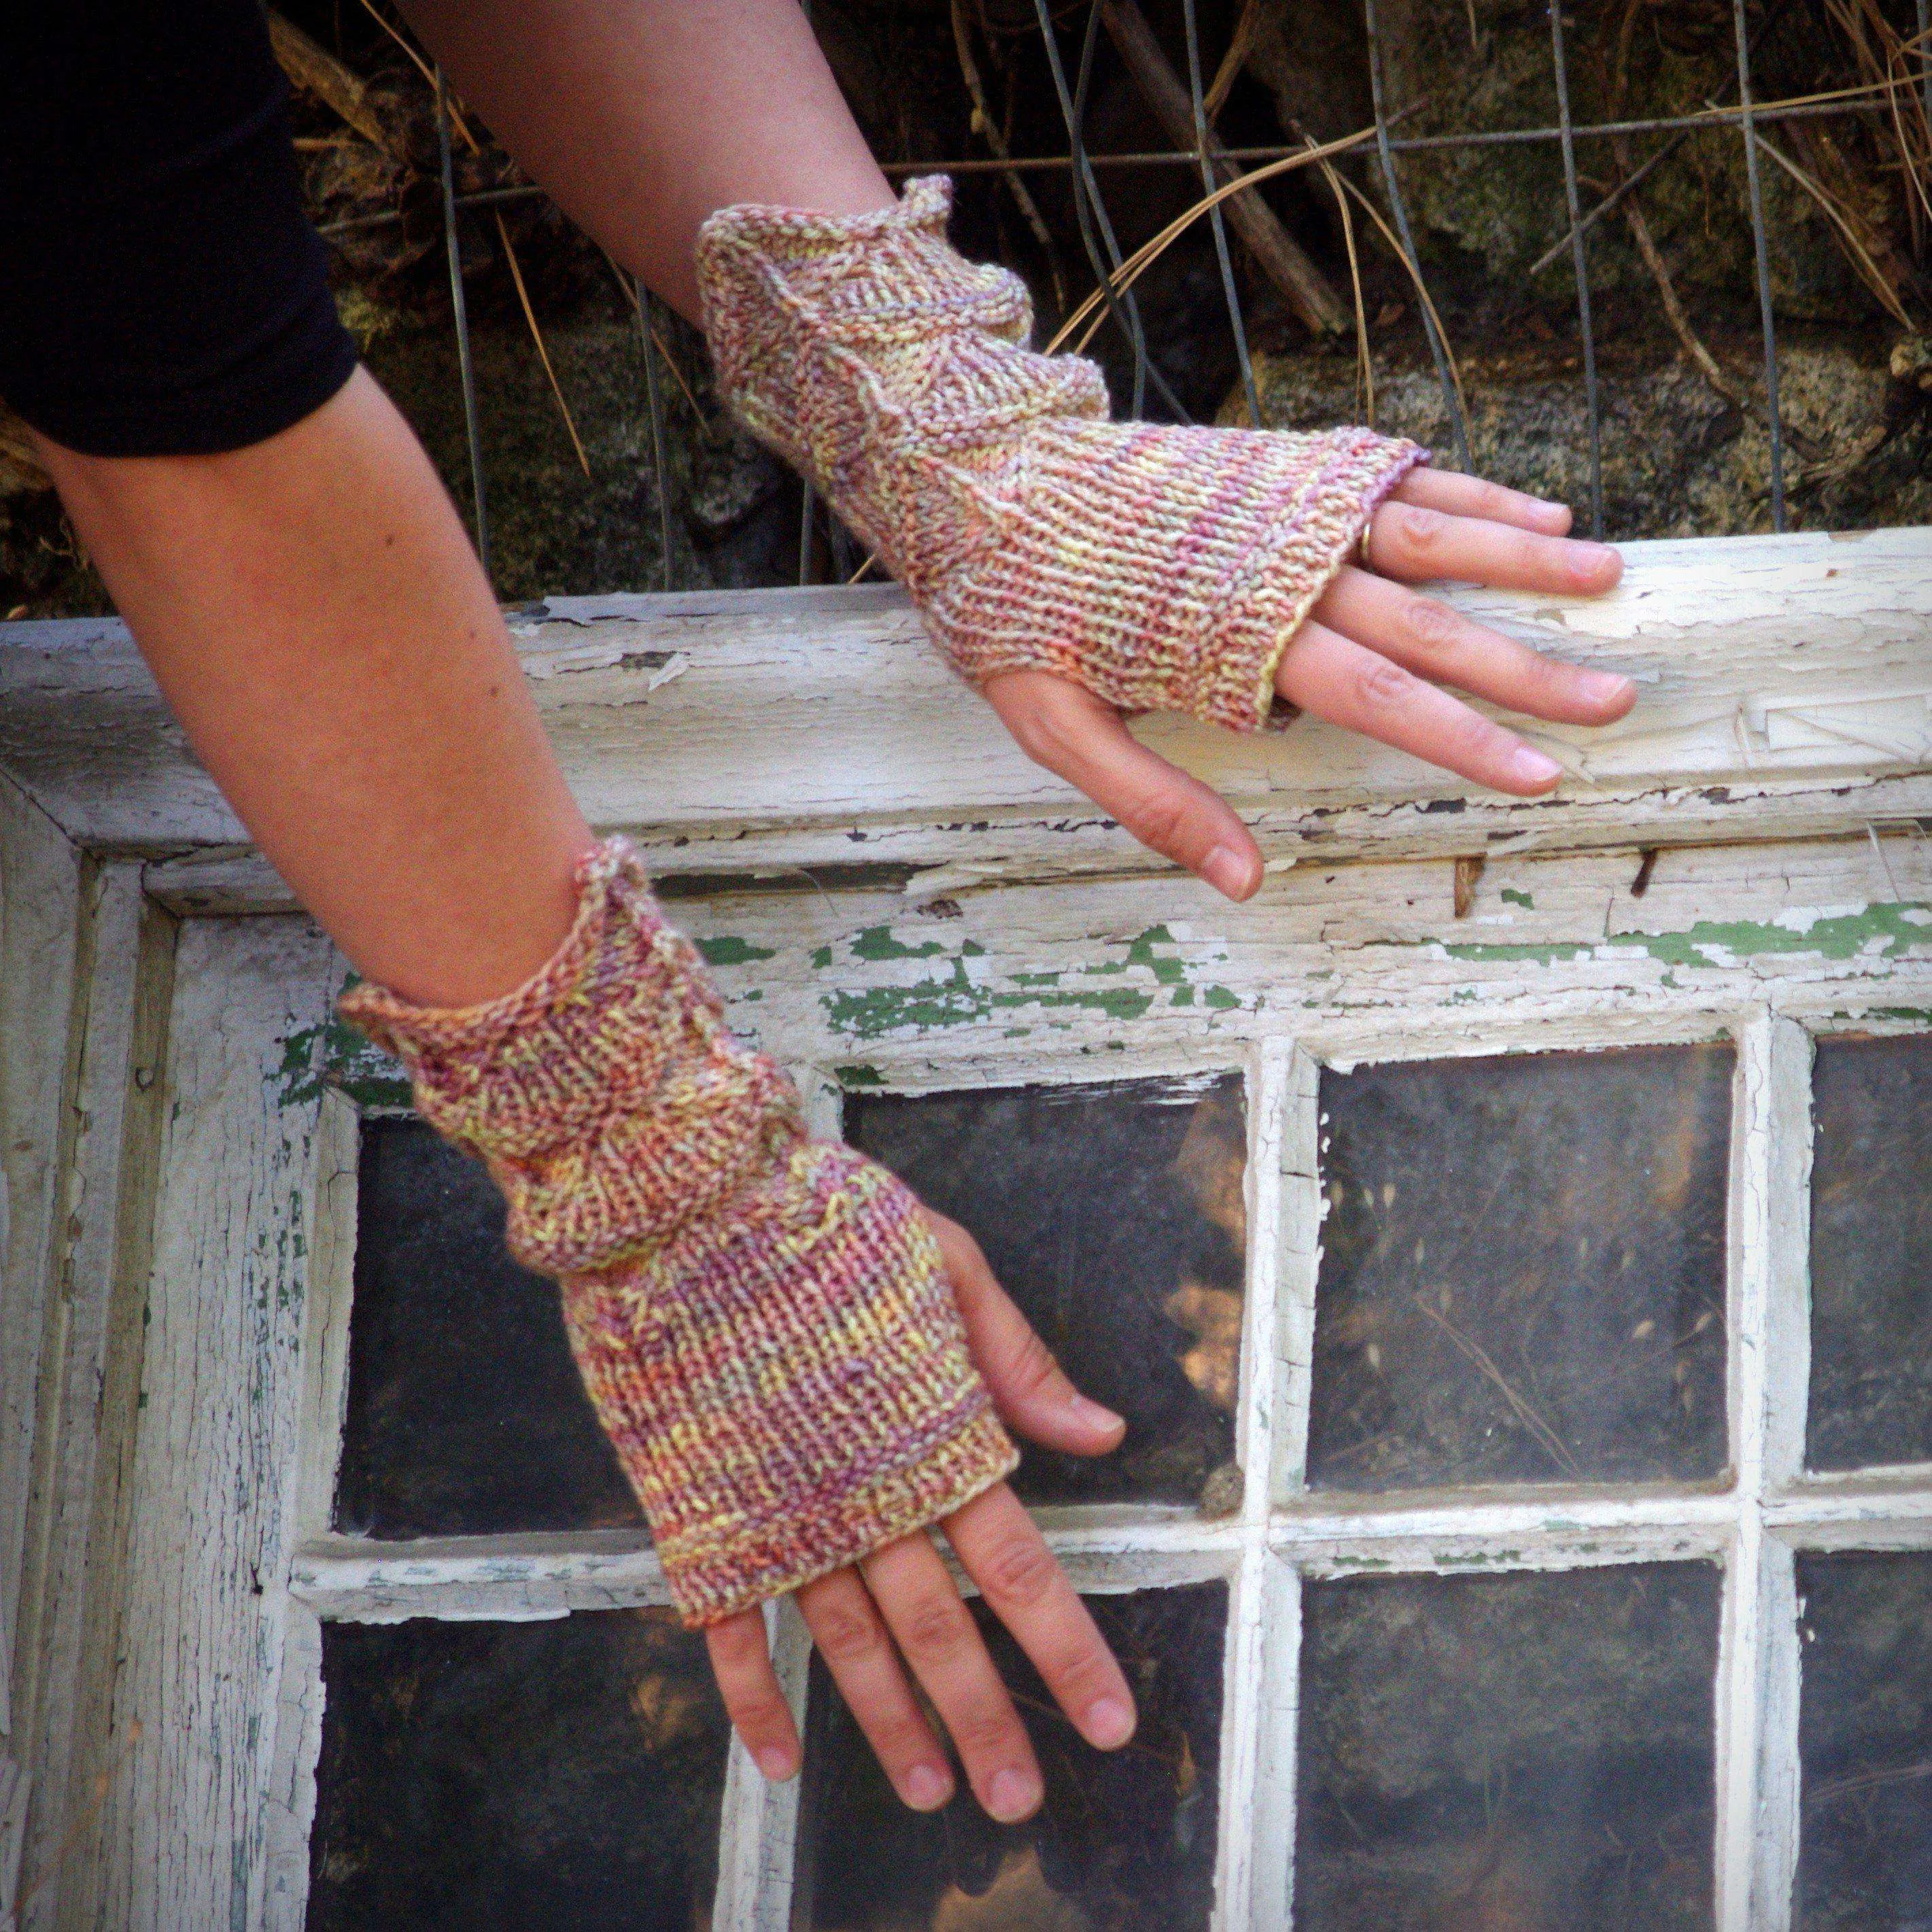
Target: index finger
{"x":1026,"y":1589}
{"x":1476,"y":497}
{"x":1412,"y":543}
{"x":1030,"y":1389}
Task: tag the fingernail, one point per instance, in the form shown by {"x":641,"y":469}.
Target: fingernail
{"x":1609,"y":685}
{"x":774,"y":1761}
{"x":1533,"y":768}
{"x":927,"y":1787}
{"x":1591,"y":559}
{"x":1109,"y":1723}
{"x":1092,"y":1415}
{"x":1227,"y":870}
{"x":1011,"y":1795}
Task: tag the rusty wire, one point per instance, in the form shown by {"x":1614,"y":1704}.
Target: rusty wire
{"x":1088,"y":208}
{"x":1438,"y":349}
{"x":1855,"y":101}
{"x":453,"y":242}
{"x":1228,"y":290}
{"x":1580,"y":257}
{"x":1761,"y":249}
{"x":660,"y":470}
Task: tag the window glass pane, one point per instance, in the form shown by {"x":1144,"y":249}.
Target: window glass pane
{"x":485,"y":1775}
{"x":1522,"y":1270}
{"x":1871,"y":1252}
{"x":1124,"y":1842}
{"x":1531,"y":1750}
{"x":1865,"y":1742}
{"x":1115,"y":1215}
{"x":466,"y":1413}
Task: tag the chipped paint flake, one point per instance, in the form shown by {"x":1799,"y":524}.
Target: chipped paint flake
{"x":333,"y":1054}
{"x":1872,"y":932}
{"x":965,"y":995}
{"x":728,"y":949}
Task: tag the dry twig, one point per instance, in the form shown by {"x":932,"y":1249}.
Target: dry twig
{"x":1855,"y":249}
{"x":536,"y":336}
{"x":1624,"y":193}
{"x":1232,"y":62}
{"x":1829,"y":1790}
{"x":1732,"y":390}
{"x":70,"y":1838}
{"x":657,"y":337}
{"x":1365,"y":361}
{"x":1302,"y":285}
{"x":1085,"y":319}
{"x":346,"y":93}
{"x":1552,"y":1444}
{"x":1881,"y":51}
{"x":1421,"y":287}
{"x":20,"y":469}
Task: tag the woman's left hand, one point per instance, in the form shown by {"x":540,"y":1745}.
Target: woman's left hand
{"x":1374,"y":656}
{"x":895,"y":1618}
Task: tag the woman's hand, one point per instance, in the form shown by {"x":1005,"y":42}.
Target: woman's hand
{"x":899,"y":1607}
{"x":1373,"y":656}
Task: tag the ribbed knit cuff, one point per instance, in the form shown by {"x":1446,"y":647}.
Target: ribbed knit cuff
{"x":787,"y":1386}
{"x":1164,"y":568}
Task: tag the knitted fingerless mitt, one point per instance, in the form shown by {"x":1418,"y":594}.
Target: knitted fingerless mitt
{"x":763,"y":1325}
{"x":1164,"y":568}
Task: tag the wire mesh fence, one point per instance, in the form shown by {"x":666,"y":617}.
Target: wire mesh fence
{"x":1068,"y":39}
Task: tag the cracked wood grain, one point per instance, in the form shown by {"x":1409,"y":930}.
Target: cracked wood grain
{"x":1786,"y":682}
{"x":41,"y":894}
{"x":186,"y":1826}
{"x":116,"y":1010}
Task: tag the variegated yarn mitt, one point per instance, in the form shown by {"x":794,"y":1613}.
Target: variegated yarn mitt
{"x":1164,"y":568}
{"x":763,"y":1323}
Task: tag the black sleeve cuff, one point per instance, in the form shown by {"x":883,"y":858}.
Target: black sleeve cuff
{"x":183,"y":313}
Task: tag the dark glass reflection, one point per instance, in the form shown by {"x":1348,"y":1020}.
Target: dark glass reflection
{"x":489,"y":1775}
{"x":1115,"y":1215}
{"x":1124,"y":1842}
{"x":1871,"y":1252}
{"x":1526,"y":1751}
{"x":466,"y":1413}
{"x":1865,"y":1743}
{"x":1522,"y":1273}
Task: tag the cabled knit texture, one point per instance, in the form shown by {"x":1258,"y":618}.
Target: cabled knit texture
{"x":1164,"y":568}
{"x":763,"y":1323}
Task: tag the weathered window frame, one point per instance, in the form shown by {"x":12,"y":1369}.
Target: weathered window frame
{"x":1783,"y":759}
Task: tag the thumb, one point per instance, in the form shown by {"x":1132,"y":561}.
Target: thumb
{"x":1083,"y":739}
{"x":1029,"y":1388}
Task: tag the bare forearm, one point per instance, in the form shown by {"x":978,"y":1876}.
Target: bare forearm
{"x":642,"y":117}
{"x":314,"y":612}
